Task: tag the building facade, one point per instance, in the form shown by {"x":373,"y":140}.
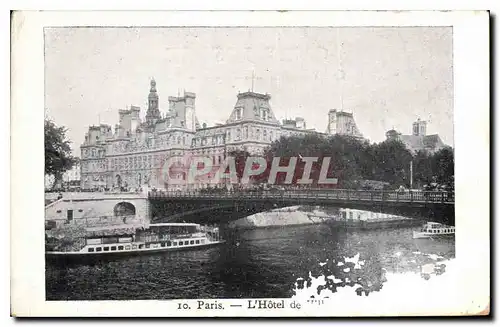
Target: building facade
{"x":343,"y":123}
{"x":418,"y":140}
{"x":133,"y":153}
{"x":71,"y":178}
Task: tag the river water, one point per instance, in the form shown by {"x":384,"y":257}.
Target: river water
{"x":260,"y":263}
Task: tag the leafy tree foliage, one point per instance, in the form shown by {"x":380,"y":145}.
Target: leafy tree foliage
{"x":392,"y":162}
{"x":240,"y":158}
{"x":58,"y":158}
{"x":443,"y":166}
{"x":353,"y":160}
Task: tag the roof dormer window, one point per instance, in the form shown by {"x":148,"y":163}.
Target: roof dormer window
{"x":264,"y":114}
{"x":239,"y":113}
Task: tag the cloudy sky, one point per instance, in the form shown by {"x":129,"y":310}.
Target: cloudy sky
{"x":392,"y":76}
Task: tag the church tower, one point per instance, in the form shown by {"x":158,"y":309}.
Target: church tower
{"x":153,"y":113}
{"x":419,"y":128}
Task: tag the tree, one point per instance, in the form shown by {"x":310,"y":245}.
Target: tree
{"x":58,"y":158}
{"x":349,"y":157}
{"x":240,"y":159}
{"x":422,"y":168}
{"x":443,"y":166}
{"x":438,"y":167}
{"x":354,"y":160}
{"x":392,"y":160}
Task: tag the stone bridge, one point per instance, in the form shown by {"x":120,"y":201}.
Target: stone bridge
{"x":223,"y":207}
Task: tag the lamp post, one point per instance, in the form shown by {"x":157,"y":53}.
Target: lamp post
{"x":411,"y":175}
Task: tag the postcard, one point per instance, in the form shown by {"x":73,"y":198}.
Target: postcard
{"x":250,"y":164}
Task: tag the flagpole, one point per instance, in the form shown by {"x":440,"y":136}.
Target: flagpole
{"x":340,"y":71}
{"x":253,"y":76}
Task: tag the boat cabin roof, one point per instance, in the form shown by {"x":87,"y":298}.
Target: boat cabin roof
{"x":111,"y":230}
{"x":110,"y":227}
{"x":431,"y":224}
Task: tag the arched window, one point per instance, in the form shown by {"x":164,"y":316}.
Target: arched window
{"x":124,"y":209}
{"x":239,"y":113}
{"x":263,"y":113}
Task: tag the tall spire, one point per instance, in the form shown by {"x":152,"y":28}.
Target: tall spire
{"x":153,"y":113}
{"x":153,"y":85}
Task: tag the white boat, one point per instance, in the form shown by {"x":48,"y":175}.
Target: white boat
{"x":155,"y":238}
{"x":434,"y":230}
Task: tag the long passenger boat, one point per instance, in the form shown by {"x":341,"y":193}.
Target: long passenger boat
{"x":104,"y":241}
{"x":434,"y":230}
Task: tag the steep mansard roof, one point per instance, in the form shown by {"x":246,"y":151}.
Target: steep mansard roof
{"x":251,"y":103}
{"x":419,"y":142}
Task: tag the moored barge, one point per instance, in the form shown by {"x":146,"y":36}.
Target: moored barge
{"x":361,"y":219}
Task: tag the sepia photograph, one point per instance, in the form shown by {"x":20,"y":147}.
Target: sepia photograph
{"x":253,"y":168}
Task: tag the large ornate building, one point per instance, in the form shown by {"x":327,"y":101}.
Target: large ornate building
{"x":133,"y":154}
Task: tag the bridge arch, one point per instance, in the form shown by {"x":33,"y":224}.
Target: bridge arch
{"x":124,"y":209}
{"x":195,"y":207}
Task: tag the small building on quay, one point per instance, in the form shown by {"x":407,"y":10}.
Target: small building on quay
{"x":131,"y":154}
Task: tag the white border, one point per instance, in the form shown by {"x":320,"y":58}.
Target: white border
{"x":471,"y":82}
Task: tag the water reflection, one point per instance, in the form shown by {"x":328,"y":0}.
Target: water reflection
{"x":253,"y":263}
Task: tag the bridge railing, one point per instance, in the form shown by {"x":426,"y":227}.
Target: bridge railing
{"x":335,"y":194}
